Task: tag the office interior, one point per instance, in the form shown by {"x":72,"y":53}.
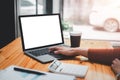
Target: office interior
{"x":98,"y":20}
{"x":86,"y":16}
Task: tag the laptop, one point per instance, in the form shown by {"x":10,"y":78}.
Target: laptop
{"x":38,"y":33}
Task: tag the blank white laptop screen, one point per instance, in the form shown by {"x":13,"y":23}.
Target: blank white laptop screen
{"x":38,"y":31}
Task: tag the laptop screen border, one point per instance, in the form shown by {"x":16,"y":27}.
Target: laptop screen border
{"x":21,"y":32}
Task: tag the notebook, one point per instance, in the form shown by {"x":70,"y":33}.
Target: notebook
{"x":38,"y":33}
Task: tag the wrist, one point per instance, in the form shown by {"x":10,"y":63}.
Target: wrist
{"x":75,"y":51}
{"x":81,"y":51}
{"x":84,"y":52}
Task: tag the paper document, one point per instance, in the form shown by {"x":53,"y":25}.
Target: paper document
{"x":11,"y":74}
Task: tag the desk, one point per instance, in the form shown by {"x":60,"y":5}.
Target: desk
{"x":12,"y":54}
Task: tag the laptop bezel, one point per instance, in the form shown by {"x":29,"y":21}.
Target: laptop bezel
{"x":21,"y":32}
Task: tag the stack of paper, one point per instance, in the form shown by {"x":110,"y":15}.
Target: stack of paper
{"x":20,"y":73}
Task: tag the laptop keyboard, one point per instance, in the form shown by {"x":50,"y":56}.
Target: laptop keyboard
{"x":46,"y":51}
{"x":40,"y":52}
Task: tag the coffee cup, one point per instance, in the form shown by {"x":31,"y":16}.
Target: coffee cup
{"x":75,"y":39}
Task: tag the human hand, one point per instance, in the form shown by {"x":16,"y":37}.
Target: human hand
{"x":116,"y":66}
{"x":63,"y":50}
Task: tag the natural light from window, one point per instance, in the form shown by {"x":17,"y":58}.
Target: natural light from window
{"x":96,"y":19}
{"x":29,"y":7}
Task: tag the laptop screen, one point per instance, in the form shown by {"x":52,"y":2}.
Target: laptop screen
{"x":40,"y":30}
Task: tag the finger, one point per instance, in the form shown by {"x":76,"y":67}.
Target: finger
{"x":112,"y":65}
{"x":114,"y":61}
{"x":53,"y":48}
{"x":58,"y":51}
{"x":117,"y":60}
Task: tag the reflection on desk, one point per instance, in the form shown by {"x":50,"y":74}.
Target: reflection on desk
{"x":12,"y":54}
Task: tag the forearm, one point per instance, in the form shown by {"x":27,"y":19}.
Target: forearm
{"x":105,"y":56}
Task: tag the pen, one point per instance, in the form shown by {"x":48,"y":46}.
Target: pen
{"x":28,"y":71}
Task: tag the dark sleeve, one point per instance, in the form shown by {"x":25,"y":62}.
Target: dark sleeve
{"x":104,"y":56}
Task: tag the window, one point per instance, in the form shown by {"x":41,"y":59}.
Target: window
{"x":96,"y":19}
{"x":35,"y":7}
{"x":29,"y":7}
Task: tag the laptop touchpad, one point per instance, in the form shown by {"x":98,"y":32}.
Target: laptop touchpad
{"x":46,"y":58}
